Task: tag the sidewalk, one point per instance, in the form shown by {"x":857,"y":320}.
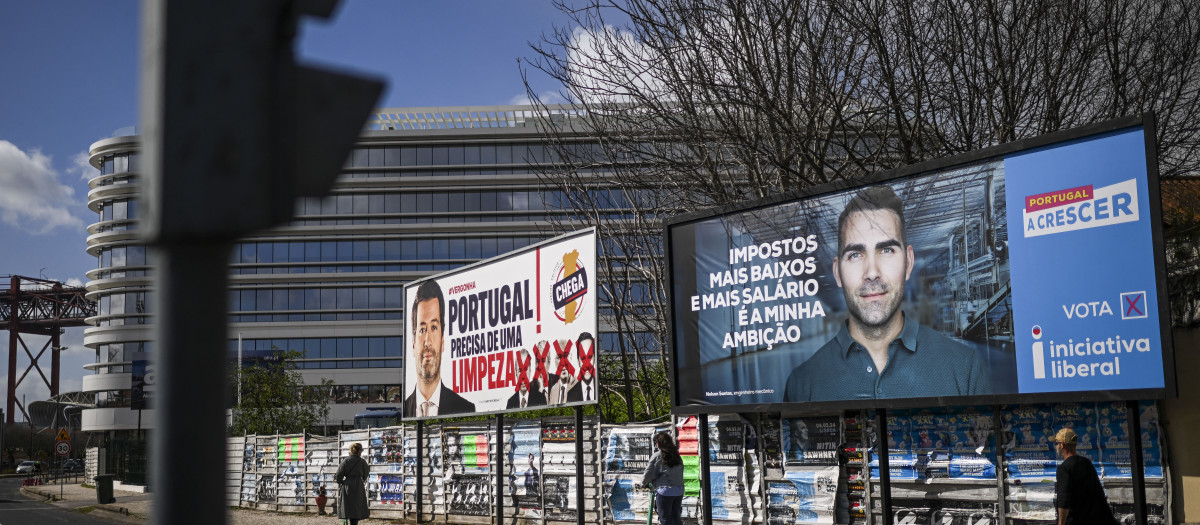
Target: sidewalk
{"x":135,"y":508}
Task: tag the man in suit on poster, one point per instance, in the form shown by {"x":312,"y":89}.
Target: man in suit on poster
{"x":563,"y":390}
{"x":429,"y":396}
{"x":585,"y":389}
{"x":529,"y":393}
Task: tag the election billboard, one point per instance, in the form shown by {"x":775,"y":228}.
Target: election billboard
{"x":514,"y":332}
{"x":1030,"y":271}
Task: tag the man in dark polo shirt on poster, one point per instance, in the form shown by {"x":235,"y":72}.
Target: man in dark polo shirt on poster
{"x":879,"y":352}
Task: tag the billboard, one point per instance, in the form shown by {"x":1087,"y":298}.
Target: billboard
{"x":1030,"y":269}
{"x":514,"y":332}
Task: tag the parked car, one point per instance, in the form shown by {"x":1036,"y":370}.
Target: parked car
{"x":27,"y":467}
{"x":72,"y":465}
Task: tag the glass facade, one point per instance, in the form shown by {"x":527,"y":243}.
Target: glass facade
{"x":329,"y":285}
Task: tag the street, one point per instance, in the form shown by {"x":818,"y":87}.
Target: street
{"x":18,"y":509}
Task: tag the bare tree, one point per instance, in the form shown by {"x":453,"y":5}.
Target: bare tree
{"x":685,"y":104}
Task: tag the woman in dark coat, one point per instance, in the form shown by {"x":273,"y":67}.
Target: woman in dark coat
{"x":351,"y":478}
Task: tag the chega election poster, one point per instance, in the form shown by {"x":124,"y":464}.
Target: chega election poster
{"x":512,"y":333}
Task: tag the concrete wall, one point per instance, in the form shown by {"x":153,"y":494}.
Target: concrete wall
{"x":1180,"y":419}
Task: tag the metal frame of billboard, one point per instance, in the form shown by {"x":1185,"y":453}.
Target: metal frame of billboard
{"x":1146,"y":122}
{"x":478,"y":265}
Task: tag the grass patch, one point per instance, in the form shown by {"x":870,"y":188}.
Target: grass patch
{"x":87,"y":485}
{"x":85,"y":510}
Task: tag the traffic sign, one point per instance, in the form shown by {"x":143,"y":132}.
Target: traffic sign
{"x":62,"y":435}
{"x":63,"y":448}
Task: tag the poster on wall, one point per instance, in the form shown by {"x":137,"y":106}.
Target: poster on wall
{"x":772,"y":443}
{"x":727,"y":472}
{"x":811,"y":441}
{"x":470,"y":494}
{"x":1082,"y":418}
{"x":775,"y":303}
{"x":1027,"y":433}
{"x":1115,"y":447}
{"x":726,"y":441}
{"x":627,"y":450}
{"x":971,"y":450}
{"x":515,"y":332}
{"x":902,"y":459}
{"x":806,"y":496}
{"x":626,"y":454}
{"x":559,"y":497}
{"x":687,"y":434}
{"x":558,"y":448}
{"x":931,"y":442}
{"x":466,"y":450}
{"x":525,"y":473}
{"x":391,"y":489}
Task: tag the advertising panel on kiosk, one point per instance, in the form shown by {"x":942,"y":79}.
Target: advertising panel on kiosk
{"x":1029,"y":271}
{"x":514,"y":332}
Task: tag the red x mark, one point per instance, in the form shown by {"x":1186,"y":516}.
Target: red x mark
{"x":523,"y":366}
{"x":564,"y":357}
{"x":1131,"y":302}
{"x":541,"y":351}
{"x":585,"y":357}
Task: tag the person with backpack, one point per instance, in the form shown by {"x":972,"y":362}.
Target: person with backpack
{"x":665,"y":474}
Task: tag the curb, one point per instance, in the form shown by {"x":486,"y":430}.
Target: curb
{"x":111,"y":511}
{"x":119,"y":513}
{"x":48,"y":496}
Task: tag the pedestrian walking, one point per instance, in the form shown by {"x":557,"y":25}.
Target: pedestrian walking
{"x":1078,"y":495}
{"x":665,"y":474}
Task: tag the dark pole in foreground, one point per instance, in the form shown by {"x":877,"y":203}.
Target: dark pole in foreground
{"x":191,"y":365}
{"x":1136,"y":463}
{"x":579,"y":510}
{"x":420,"y":469}
{"x":885,"y":475}
{"x":705,"y":487}
{"x":500,"y":469}
{"x":233,"y":132}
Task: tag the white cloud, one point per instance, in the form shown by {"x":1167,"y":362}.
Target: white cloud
{"x":81,"y":167}
{"x":33,"y":199}
{"x":611,"y":65}
{"x":546,"y":97}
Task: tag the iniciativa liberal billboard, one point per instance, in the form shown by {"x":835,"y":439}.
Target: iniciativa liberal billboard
{"x":1028,"y":271}
{"x":514,"y":332}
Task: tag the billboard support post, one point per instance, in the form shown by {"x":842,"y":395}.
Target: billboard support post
{"x":705,"y":490}
{"x":579,"y":464}
{"x":1137,"y":466}
{"x":420,"y":470}
{"x":998,"y":457}
{"x":885,"y":475}
{"x":500,"y":468}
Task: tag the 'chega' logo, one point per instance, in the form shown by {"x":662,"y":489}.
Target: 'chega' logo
{"x":1080,"y":208}
{"x":570,"y":287}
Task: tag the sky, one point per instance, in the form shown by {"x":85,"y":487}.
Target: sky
{"x":69,"y":77}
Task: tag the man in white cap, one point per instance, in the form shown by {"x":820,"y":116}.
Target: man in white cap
{"x":1077,"y":492}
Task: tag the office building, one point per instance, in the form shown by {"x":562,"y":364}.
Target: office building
{"x":424,"y":191}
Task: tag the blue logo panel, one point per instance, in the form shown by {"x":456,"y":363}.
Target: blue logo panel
{"x":1085,"y":313}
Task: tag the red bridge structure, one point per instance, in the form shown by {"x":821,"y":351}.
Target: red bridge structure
{"x":38,"y":307}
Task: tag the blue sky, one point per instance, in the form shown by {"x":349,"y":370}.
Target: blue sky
{"x":69,"y":77}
